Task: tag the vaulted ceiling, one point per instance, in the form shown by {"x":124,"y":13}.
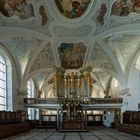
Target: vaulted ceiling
{"x":43,"y":34}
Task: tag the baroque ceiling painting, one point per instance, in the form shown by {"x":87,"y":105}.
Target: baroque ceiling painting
{"x":72,"y":55}
{"x":72,"y":8}
{"x":124,"y":7}
{"x":102,"y":12}
{"x":43,"y":15}
{"x":16,"y":7}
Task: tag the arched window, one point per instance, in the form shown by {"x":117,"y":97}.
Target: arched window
{"x":30,"y":90}
{"x":3,"y":84}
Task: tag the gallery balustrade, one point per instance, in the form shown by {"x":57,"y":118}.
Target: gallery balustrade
{"x":77,"y":101}
{"x":40,"y":101}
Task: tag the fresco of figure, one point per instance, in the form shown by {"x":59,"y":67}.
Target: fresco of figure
{"x":84,"y":5}
{"x":16,"y":7}
{"x":102,"y":12}
{"x":76,"y":9}
{"x":136,"y":6}
{"x":43,"y":15}
{"x":72,"y":55}
{"x":125,"y":7}
{"x":72,"y":8}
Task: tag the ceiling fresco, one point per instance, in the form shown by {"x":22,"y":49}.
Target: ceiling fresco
{"x":96,"y":33}
{"x":43,"y":15}
{"x":72,"y":8}
{"x":72,"y":55}
{"x":101,"y":15}
{"x":124,"y":7}
{"x":16,"y":7}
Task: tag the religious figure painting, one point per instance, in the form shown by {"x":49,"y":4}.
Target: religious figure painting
{"x":43,"y":15}
{"x":16,"y":7}
{"x":72,"y":8}
{"x":124,"y":7}
{"x":102,"y":12}
{"x":72,"y":55}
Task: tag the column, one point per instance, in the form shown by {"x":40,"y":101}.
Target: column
{"x":66,"y":86}
{"x":72,"y":85}
{"x":69,"y":85}
{"x":61,"y":119}
{"x":79,"y":86}
{"x":85,"y":120}
{"x":58,"y":119}
{"x":117,"y":118}
{"x":55,"y":86}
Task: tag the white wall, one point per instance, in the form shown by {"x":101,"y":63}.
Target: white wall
{"x":134,"y":85}
{"x":108,"y":118}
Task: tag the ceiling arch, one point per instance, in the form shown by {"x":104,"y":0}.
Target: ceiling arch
{"x":112,"y":41}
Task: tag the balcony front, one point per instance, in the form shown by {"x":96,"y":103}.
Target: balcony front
{"x":87,"y":103}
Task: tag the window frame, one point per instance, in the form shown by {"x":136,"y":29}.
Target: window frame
{"x":3,"y":84}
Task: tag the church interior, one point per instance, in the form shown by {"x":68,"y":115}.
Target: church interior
{"x":69,"y":69}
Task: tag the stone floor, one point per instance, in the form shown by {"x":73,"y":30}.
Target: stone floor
{"x":94,"y":133}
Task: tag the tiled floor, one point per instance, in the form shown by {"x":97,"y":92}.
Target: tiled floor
{"x":94,"y":133}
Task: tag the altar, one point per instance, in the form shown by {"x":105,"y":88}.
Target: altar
{"x":72,"y":117}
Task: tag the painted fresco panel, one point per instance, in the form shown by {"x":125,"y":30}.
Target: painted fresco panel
{"x":43,"y":15}
{"x":124,"y":7}
{"x":72,"y":8}
{"x":16,"y":7}
{"x":72,"y":55}
{"x":102,"y":12}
